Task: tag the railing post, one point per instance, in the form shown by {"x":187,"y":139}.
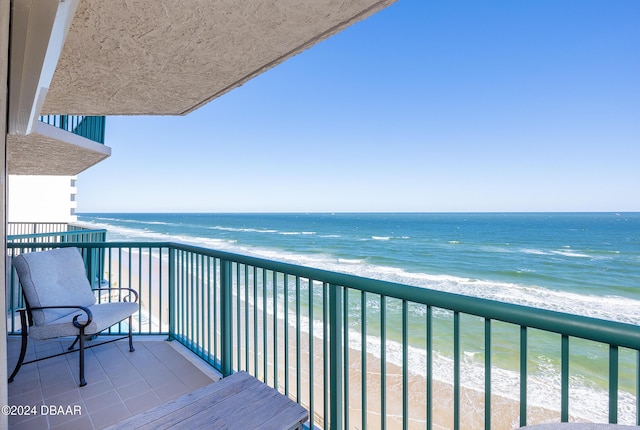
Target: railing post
{"x":172,"y":293}
{"x":89,"y":264}
{"x":226,"y":314}
{"x":335,"y":354}
{"x":102,"y":122}
{"x":613,"y":384}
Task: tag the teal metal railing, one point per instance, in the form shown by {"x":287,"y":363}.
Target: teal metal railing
{"x":21,"y":228}
{"x":364,"y":353}
{"x":71,"y":236}
{"x":90,"y":127}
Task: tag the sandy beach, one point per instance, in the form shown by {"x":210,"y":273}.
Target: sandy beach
{"x":505,"y":411}
{"x":152,"y":286}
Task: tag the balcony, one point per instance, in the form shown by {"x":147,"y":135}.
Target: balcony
{"x":52,"y":232}
{"x":336,"y":342}
{"x":58,"y":145}
{"x":90,"y":127}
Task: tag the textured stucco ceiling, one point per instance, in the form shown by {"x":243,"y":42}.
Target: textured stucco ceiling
{"x":52,"y":151}
{"x":168,"y":57}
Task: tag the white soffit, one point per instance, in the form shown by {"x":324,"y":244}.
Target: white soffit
{"x":37,"y":36}
{"x":169,"y":57}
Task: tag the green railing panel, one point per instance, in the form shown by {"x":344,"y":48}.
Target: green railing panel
{"x":27,"y":228}
{"x":21,"y":228}
{"x":296,"y":329}
{"x":74,"y":236}
{"x":89,"y":127}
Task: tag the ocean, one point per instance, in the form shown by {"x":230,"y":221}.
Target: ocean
{"x":579,"y":263}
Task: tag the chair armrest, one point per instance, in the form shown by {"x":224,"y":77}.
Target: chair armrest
{"x":75,"y":318}
{"x":131,"y":291}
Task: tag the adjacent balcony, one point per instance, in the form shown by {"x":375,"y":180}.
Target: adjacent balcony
{"x":90,"y":127}
{"x":357,"y":352}
{"x":58,"y":145}
{"x":52,"y":231}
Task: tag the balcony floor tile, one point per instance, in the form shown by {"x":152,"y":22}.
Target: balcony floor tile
{"x":119,"y":383}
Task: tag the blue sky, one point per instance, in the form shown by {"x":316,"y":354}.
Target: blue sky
{"x":426,"y":106}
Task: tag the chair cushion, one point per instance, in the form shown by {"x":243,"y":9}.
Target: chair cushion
{"x":104,"y":316}
{"x":54,"y":278}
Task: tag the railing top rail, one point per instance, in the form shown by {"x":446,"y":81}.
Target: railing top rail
{"x":610,"y":332}
{"x":38,"y":222}
{"x":54,"y":233}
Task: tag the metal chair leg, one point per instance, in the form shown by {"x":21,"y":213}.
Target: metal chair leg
{"x":83,"y":382}
{"x":73,"y":344}
{"x":131,"y":348}
{"x":23,"y":347}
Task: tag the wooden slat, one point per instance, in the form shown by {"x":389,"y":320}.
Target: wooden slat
{"x":238,"y":401}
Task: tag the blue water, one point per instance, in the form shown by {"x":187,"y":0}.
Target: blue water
{"x":580,"y":263}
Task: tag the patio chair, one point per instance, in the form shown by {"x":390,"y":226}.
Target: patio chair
{"x":60,"y":302}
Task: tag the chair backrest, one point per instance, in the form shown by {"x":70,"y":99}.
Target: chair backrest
{"x":53,"y":278}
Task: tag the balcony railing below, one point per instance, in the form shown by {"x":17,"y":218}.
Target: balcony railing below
{"x":363,"y":353}
{"x":54,"y":228}
{"x":90,"y":127}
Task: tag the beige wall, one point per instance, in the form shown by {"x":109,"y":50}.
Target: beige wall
{"x":5,"y":6}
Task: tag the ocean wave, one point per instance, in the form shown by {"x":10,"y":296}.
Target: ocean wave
{"x":125,"y":233}
{"x":543,"y":389}
{"x":614,"y":308}
{"x":533,"y":251}
{"x":135,"y":221}
{"x":349,"y":261}
{"x":243,"y":230}
{"x":543,"y":380}
{"x":562,"y":252}
{"x":567,"y":253}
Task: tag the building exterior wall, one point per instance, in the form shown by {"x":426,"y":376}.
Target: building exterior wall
{"x":5,"y":10}
{"x":41,"y":198}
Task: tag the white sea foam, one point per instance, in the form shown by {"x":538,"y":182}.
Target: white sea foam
{"x":534,"y":251}
{"x":243,"y":230}
{"x":349,"y":261}
{"x":606,"y":307}
{"x":127,"y":233}
{"x":568,"y":253}
{"x":135,"y":221}
{"x":543,"y":389}
{"x":587,"y":402}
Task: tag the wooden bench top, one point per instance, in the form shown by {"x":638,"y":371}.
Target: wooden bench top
{"x":239,"y":401}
